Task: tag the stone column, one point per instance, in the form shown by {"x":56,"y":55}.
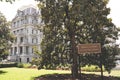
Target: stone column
{"x":18,"y":51}
{"x":24,"y":49}
{"x":13,"y":51}
{"x":30,"y":50}
{"x":18,"y":39}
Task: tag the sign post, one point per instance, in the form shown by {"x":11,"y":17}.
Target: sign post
{"x":90,"y":48}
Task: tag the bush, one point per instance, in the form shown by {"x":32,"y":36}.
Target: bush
{"x":20,"y":65}
{"x":24,"y":65}
{"x":64,"y":67}
{"x":4,"y":65}
{"x":36,"y":61}
{"x":27,"y":65}
{"x":92,"y":68}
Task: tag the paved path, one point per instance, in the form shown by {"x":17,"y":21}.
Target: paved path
{"x":117,"y":67}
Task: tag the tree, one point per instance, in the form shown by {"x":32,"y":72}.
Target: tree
{"x":59,"y":33}
{"x":5,"y":37}
{"x":100,"y":29}
{"x":7,"y":1}
{"x":68,"y":23}
{"x":37,"y":52}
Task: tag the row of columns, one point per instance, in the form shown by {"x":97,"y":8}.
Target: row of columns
{"x":21,"y":50}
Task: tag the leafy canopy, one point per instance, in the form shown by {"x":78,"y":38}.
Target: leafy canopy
{"x":68,"y":23}
{"x":5,"y":36}
{"x":7,"y":1}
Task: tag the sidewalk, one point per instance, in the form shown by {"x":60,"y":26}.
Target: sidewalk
{"x":117,"y":67}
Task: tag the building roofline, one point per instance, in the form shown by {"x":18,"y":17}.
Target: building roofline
{"x":27,"y":6}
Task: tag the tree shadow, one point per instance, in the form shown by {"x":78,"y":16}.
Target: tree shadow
{"x":69,"y":77}
{"x":3,"y":72}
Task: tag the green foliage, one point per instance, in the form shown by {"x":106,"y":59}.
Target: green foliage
{"x":20,"y":65}
{"x":24,"y":65}
{"x":5,"y":37}
{"x":11,"y":1}
{"x":64,"y":67}
{"x":27,"y":65}
{"x":68,"y":23}
{"x":36,"y":61}
{"x":30,"y":74}
{"x":92,"y":68}
{"x":25,"y":74}
{"x":4,"y":65}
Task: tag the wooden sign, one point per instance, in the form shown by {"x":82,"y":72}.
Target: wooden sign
{"x":89,"y":48}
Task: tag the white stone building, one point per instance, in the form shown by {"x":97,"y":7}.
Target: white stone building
{"x":27,"y":35}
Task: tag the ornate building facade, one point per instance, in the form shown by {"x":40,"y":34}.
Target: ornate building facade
{"x":27,"y":35}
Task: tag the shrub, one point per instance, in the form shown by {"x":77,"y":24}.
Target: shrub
{"x":27,"y":65}
{"x":24,"y":65}
{"x":92,"y":68}
{"x":36,"y":61}
{"x":4,"y":65}
{"x":20,"y":65}
{"x":64,"y":67}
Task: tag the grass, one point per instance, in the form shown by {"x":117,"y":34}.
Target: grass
{"x":24,"y":74}
{"x":30,"y":74}
{"x":115,"y":73}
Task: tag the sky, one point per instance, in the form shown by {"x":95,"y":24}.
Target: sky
{"x":9,"y":10}
{"x":115,"y":11}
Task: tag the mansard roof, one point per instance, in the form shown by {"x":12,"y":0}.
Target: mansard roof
{"x":27,"y":6}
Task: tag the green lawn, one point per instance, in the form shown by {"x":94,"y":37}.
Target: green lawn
{"x":29,"y":74}
{"x":24,"y":74}
{"x":115,"y":73}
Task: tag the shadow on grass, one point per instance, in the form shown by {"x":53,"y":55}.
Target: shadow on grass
{"x":69,"y":77}
{"x":2,"y":72}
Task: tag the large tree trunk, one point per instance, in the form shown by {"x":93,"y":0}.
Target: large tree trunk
{"x":75,"y":57}
{"x":71,"y":34}
{"x":75,"y":67}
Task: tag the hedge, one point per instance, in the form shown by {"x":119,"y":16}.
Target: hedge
{"x":4,"y":65}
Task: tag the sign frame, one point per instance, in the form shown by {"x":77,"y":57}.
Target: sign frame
{"x":89,"y":48}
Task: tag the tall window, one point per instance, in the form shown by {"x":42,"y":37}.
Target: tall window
{"x":21,"y":39}
{"x":21,"y":30}
{"x":17,"y":23}
{"x":27,"y":60}
{"x":15,"y":51}
{"x":20,"y":59}
{"x":32,"y":50}
{"x":21,"y":50}
{"x":11,"y":51}
{"x":34,"y":31}
{"x":16,"y":40}
{"x":22,"y":21}
{"x":17,"y":31}
{"x":13,"y":24}
{"x":27,"y":49}
{"x":34,"y":40}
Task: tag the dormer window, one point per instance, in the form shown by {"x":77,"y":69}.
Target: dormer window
{"x":20,"y":13}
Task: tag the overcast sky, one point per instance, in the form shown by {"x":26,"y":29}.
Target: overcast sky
{"x":9,"y":10}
